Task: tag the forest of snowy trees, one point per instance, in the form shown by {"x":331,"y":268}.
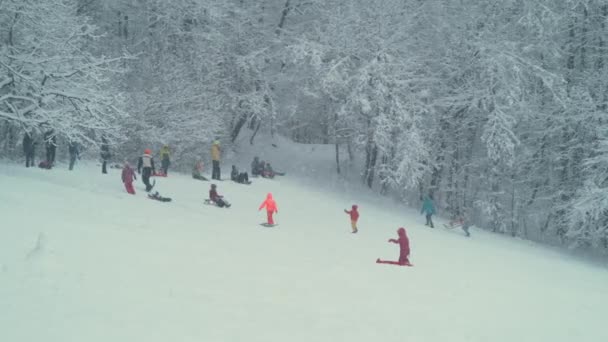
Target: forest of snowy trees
{"x":495,"y":107}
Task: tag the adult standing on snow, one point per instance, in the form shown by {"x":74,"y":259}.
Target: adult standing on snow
{"x":105,"y":154}
{"x":428,"y":208}
{"x":50,"y":141}
{"x":164,"y":159}
{"x":215,"y":157}
{"x":128,"y":175}
{"x":147,"y":164}
{"x":271,"y":208}
{"x":28,"y":149}
{"x":74,"y":153}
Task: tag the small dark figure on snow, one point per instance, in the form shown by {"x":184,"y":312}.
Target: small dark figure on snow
{"x":216,"y":198}
{"x":239,"y":177}
{"x":105,"y":154}
{"x":50,"y":141}
{"x":29,"y":149}
{"x":256,"y":167}
{"x":269,"y":172}
{"x":428,"y":208}
{"x":74,"y":151}
{"x":404,"y":249}
{"x":145,"y":166}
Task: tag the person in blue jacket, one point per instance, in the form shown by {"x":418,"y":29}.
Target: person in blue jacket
{"x":428,"y":208}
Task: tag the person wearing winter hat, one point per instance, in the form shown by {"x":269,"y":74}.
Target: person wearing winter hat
{"x":145,"y":166}
{"x":271,"y":208}
{"x":217,"y":198}
{"x":215,"y":157}
{"x":404,"y":250}
{"x":128,"y":175}
{"x":354,"y":217}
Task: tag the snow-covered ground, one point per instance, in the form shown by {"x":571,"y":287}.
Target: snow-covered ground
{"x":81,"y":260}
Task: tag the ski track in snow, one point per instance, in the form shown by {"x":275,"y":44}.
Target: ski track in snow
{"x":81,"y":260}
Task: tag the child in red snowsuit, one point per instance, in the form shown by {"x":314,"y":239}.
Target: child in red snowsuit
{"x":128,"y":175}
{"x":271,"y":208}
{"x":354,"y":216}
{"x":404,"y":250}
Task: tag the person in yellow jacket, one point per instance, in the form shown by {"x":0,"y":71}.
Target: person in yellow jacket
{"x":164,"y":159}
{"x":215,"y":157}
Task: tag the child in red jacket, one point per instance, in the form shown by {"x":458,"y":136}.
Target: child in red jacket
{"x":128,"y":175}
{"x":404,"y":250}
{"x":271,"y":208}
{"x":354,"y":217}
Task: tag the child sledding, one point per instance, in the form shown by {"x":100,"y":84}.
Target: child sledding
{"x":239,"y":177}
{"x":158,"y":197}
{"x":216,"y":199}
{"x":263,"y":169}
{"x":404,"y":250}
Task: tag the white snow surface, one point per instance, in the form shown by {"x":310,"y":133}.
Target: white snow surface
{"x":81,"y":260}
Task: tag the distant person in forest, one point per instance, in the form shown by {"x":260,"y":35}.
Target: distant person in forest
{"x":105,"y":154}
{"x":404,"y":249}
{"x":428,"y":209}
{"x":354,"y":217}
{"x":239,"y":177}
{"x":128,"y":176}
{"x":216,"y":198}
{"x":271,"y":208}
{"x":50,"y":142}
{"x":29,"y":149}
{"x":197,"y":171}
{"x":164,"y":159}
{"x":463,"y":221}
{"x":74,"y":151}
{"x":215,"y":157}
{"x":145,"y":166}
{"x":256,"y":167}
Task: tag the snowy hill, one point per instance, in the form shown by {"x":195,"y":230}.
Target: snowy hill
{"x":81,"y":260}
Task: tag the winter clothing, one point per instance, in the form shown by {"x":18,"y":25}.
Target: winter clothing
{"x":50,"y":141}
{"x":197,"y":171}
{"x":29,"y":146}
{"x":239,"y":177}
{"x":257,"y":167}
{"x":271,"y":208}
{"x":215,"y":156}
{"x":74,"y":153}
{"x":354,"y":217}
{"x":428,"y":208}
{"x":216,"y":198}
{"x":105,"y":155}
{"x":145,"y":166}
{"x":128,"y":175}
{"x":164,"y":159}
{"x":404,"y":249}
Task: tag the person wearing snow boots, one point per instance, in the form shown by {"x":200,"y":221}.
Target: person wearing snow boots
{"x":354,"y":217}
{"x":197,"y":171}
{"x":29,"y":149}
{"x":404,"y":249}
{"x":50,"y":141}
{"x":128,"y":176}
{"x":239,"y":177}
{"x":428,"y":208}
{"x":215,"y":157}
{"x":74,"y":152}
{"x":145,"y":166}
{"x":105,"y":155}
{"x":216,"y":198}
{"x":271,"y":208}
{"x":164,"y":159}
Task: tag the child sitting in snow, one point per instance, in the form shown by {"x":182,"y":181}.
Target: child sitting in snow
{"x":354,"y":216}
{"x":214,"y":197}
{"x":404,"y":249}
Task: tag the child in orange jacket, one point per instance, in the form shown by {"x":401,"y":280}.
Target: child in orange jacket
{"x":354,"y":217}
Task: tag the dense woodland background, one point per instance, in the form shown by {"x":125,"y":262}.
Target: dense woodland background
{"x":496,"y":107}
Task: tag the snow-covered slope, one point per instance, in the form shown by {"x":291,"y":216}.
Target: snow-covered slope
{"x":81,"y":260}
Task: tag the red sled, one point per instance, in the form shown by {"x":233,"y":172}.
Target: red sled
{"x":397,"y":263}
{"x":159,"y":174}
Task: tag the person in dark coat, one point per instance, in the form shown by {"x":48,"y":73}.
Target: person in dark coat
{"x":217,"y":198}
{"x":74,"y":151}
{"x":145,"y":166}
{"x":256,"y":167}
{"x":50,"y":141}
{"x":239,"y":177}
{"x":29,"y":147}
{"x":404,"y":249}
{"x":105,"y":154}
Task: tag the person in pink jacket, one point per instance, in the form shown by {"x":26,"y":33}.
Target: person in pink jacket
{"x":404,"y":250}
{"x":271,"y":208}
{"x":128,"y":175}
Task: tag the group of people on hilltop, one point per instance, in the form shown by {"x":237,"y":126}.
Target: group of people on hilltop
{"x":263,"y":169}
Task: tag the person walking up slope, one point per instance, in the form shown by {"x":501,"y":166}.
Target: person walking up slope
{"x":271,"y":208}
{"x":404,"y":250}
{"x":147,"y":163}
{"x":354,"y":217}
{"x":128,"y":175}
{"x":215,"y":157}
{"x":428,"y":208}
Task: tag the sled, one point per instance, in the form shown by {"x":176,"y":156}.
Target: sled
{"x":210,"y":202}
{"x":264,"y":224}
{"x":396,"y":263}
{"x":159,"y":174}
{"x":158,"y":197}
